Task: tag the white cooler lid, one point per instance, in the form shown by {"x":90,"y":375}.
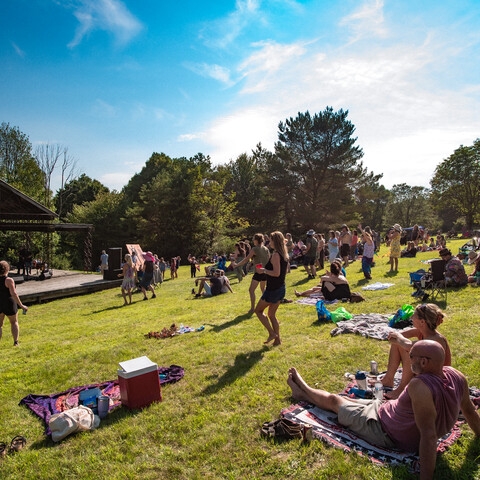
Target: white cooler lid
{"x":136,"y":366}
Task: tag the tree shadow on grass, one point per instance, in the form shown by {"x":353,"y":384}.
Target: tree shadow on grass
{"x":230,"y":323}
{"x":243,"y":363}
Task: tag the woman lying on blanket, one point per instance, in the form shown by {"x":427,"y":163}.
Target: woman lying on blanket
{"x":426,"y":318}
{"x":334,"y":285}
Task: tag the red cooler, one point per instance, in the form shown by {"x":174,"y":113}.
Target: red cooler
{"x":139,"y":383}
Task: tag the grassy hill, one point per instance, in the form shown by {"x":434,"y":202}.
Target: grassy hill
{"x":208,"y":423}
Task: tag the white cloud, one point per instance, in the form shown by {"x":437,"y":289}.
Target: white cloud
{"x":214,"y":71}
{"x":116,"y":180}
{"x":406,"y":124}
{"x":367,"y":20}
{"x":103,"y":109}
{"x":188,"y":137}
{"x":18,"y":50}
{"x":222,"y":32}
{"x":108,"y":15}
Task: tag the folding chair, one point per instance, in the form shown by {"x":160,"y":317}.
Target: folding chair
{"x":435,"y":280}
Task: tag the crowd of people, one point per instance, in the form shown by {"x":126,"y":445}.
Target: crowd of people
{"x":412,"y":415}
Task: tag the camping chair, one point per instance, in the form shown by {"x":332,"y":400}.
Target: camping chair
{"x":417,"y":280}
{"x":435,"y":281}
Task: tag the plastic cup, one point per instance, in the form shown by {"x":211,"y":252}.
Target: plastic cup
{"x":259,"y":265}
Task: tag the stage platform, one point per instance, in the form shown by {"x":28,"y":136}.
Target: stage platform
{"x":63,"y":284}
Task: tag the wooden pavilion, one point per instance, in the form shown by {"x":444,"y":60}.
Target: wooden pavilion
{"x":19,"y":212}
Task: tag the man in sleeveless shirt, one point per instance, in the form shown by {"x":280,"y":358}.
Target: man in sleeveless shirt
{"x":425,"y":411}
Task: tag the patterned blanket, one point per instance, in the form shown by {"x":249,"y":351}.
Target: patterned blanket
{"x":369,"y":325}
{"x":47,"y":405}
{"x":326,"y":428}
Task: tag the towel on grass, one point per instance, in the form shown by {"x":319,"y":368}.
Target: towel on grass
{"x":378,"y":286}
{"x":313,"y":299}
{"x":326,"y":428}
{"x":47,"y":405}
{"x":368,"y":325}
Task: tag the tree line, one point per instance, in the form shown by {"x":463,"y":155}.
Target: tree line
{"x":313,"y":178}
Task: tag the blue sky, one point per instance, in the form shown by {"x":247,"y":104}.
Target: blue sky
{"x":117,"y":80}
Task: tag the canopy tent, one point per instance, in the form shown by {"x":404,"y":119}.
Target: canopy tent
{"x":21,"y":213}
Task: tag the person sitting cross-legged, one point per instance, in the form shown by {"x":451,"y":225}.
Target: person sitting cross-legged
{"x":425,"y":411}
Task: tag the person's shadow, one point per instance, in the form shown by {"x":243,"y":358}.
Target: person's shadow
{"x":243,"y":363}
{"x":231,"y":323}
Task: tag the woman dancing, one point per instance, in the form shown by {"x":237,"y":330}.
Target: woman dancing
{"x":9,"y":302}
{"x":260,"y":256}
{"x":275,"y":270}
{"x":426,"y":318}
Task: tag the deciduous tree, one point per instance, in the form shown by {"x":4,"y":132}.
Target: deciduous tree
{"x":456,"y":182}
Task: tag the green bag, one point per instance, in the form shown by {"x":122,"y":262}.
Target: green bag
{"x":340,"y":314}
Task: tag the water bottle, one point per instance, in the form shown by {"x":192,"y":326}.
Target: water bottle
{"x":361,"y":380}
{"x":378,"y":390}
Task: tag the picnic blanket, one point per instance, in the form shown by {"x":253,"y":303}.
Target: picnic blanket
{"x":45,"y":406}
{"x":313,"y":299}
{"x":368,"y":325}
{"x":326,"y":428}
{"x":378,"y":286}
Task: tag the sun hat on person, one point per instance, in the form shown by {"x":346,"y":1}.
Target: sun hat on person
{"x":397,"y":227}
{"x":311,"y":232}
{"x":472,"y":257}
{"x":444,"y":252}
{"x":148,"y":256}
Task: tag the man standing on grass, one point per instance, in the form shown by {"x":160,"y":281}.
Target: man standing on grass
{"x":425,"y":411}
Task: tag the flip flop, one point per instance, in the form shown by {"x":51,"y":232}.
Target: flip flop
{"x":17,"y":443}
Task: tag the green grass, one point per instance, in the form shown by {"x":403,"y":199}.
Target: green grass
{"x":208,"y":423}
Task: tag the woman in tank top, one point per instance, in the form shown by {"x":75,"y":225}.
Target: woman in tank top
{"x":275,"y":271}
{"x":259,"y":254}
{"x":9,"y":302}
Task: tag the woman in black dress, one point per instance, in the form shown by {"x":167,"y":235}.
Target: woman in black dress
{"x":9,"y":301}
{"x":275,"y":271}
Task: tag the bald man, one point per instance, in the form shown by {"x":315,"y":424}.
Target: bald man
{"x":425,"y":411}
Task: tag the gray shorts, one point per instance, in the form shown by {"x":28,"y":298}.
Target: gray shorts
{"x":361,"y":417}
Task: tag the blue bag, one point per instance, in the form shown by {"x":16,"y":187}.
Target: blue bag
{"x":323,"y":313}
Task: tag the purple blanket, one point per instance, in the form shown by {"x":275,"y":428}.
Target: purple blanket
{"x":47,"y":405}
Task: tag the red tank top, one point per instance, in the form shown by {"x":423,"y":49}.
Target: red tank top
{"x":397,"y":416}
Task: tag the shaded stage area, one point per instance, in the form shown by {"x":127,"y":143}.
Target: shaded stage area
{"x":63,"y":284}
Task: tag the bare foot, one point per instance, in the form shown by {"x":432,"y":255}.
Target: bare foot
{"x":270,"y":338}
{"x":277,"y":342}
{"x":297,"y":294}
{"x":297,"y":392}
{"x":393,"y":395}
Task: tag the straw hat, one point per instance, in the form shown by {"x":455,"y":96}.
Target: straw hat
{"x":472,"y":257}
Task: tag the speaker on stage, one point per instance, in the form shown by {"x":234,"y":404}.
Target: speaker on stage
{"x":114,"y":264}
